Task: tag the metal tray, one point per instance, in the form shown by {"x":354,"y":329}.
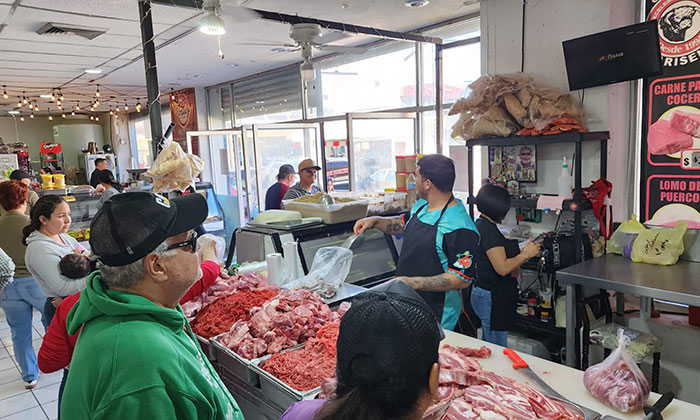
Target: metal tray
{"x":277,"y":391}
{"x":234,"y":363}
{"x":207,"y":348}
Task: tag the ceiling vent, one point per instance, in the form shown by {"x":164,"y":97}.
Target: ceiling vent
{"x":88,"y":32}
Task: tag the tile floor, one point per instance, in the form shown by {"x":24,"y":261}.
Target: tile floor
{"x":17,"y":403}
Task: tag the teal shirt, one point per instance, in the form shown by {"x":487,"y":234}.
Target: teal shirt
{"x":457,"y":238}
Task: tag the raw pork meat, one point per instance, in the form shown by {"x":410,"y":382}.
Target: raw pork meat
{"x":306,"y":368}
{"x":219,"y":316}
{"x":686,"y":122}
{"x":224,"y":286}
{"x":663,"y":139}
{"x":483,"y":352}
{"x":291,"y":318}
{"x":617,"y":386}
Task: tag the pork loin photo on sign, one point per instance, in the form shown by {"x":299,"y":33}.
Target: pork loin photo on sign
{"x":663,"y":139}
{"x":686,"y":122}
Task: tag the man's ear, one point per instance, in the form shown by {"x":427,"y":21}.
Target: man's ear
{"x":154,"y":267}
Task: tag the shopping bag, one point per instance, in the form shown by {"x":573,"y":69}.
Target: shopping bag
{"x":617,"y":381}
{"x":622,"y":240}
{"x":660,"y":246}
{"x":328,"y":271}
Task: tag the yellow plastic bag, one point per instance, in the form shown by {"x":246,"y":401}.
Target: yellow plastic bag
{"x":660,"y":246}
{"x":623,"y":238}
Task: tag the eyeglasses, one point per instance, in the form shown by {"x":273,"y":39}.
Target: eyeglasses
{"x":191,"y":243}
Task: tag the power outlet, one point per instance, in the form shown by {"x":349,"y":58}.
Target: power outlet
{"x":690,"y":159}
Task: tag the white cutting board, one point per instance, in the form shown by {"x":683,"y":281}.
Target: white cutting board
{"x":567,"y":381}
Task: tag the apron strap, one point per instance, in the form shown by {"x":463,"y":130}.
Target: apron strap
{"x":444,"y":209}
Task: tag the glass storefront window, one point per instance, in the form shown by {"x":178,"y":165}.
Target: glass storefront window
{"x":143,"y":143}
{"x":336,"y":149}
{"x":219,"y":108}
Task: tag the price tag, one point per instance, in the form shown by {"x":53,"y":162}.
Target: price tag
{"x":690,"y":159}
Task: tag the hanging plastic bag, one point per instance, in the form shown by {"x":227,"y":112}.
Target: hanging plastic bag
{"x":173,"y":169}
{"x":617,"y":380}
{"x":328,"y":271}
{"x":219,"y":246}
{"x":660,"y":246}
{"x":622,"y":240}
{"x":641,"y":344}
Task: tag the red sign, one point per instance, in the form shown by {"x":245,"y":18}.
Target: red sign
{"x":183,"y":112}
{"x":47,"y":148}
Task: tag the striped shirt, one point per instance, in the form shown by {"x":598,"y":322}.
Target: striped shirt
{"x":7,"y":269}
{"x":297,"y":191}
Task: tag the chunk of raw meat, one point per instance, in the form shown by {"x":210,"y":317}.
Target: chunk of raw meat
{"x":460,"y":409}
{"x":686,"y":123}
{"x":663,"y":139}
{"x":617,"y":386}
{"x":483,"y":352}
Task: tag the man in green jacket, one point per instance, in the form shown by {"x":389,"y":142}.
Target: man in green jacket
{"x":136,"y":356}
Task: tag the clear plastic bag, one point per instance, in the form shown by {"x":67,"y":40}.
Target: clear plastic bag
{"x":617,"y":381}
{"x":219,"y":245}
{"x":660,"y":246}
{"x":623,"y":238}
{"x":328,"y":271}
{"x":640,"y":345}
{"x":173,"y":169}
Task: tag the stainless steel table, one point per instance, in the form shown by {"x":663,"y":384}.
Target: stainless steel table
{"x":676,"y":283}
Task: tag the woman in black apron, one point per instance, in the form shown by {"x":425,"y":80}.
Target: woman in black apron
{"x":419,"y":256}
{"x":495,"y":293}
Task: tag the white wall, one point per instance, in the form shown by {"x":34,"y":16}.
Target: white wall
{"x":38,"y":130}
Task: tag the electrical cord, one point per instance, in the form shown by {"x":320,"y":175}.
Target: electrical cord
{"x":522,"y":40}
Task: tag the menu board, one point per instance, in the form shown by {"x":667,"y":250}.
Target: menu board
{"x":183,"y":112}
{"x":670,"y":168}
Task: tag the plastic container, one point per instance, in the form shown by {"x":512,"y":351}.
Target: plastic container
{"x":411,"y":188}
{"x":47,"y":181}
{"x":401,"y":180}
{"x":564,"y":181}
{"x":335,"y":213}
{"x":411,"y":161}
{"x":59,"y":180}
{"x":400,"y":163}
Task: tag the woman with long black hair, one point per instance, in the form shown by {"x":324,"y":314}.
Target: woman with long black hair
{"x":111,"y":186}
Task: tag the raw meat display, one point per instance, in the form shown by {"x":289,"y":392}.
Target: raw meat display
{"x":291,"y":318}
{"x":225,"y":286}
{"x":617,"y":380}
{"x":663,"y":139}
{"x":467,"y":392}
{"x":482,"y":353}
{"x":306,"y":368}
{"x":686,"y":122}
{"x":227,"y":309}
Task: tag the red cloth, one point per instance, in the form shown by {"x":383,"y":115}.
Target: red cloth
{"x":57,"y":346}
{"x":211,"y":272}
{"x":283,"y":190}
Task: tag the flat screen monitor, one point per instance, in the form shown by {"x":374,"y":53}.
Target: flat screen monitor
{"x":614,"y":56}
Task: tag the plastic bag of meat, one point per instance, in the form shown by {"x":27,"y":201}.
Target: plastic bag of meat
{"x":173,"y":169}
{"x":219,"y":245}
{"x":328,"y":271}
{"x":617,"y":380}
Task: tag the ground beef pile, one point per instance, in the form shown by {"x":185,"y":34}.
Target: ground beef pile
{"x":307,"y":368}
{"x":226,"y":310}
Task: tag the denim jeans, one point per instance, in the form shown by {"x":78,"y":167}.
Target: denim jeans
{"x":18,"y":299}
{"x":481,"y":302}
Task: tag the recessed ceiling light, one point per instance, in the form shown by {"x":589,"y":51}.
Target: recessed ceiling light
{"x":13,"y":112}
{"x":45,"y":96}
{"x":93,"y":71}
{"x":416,"y":3}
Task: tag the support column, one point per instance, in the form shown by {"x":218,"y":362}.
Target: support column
{"x":149,"y":60}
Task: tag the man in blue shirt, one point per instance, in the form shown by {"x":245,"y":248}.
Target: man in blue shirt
{"x":274,"y":194}
{"x":439,"y":240}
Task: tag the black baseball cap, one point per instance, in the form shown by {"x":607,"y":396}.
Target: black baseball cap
{"x":131,"y":225}
{"x":285,"y":171}
{"x":393,"y":328}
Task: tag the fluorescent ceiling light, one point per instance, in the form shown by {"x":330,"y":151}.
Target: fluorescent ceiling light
{"x":46,"y":96}
{"x":13,"y":112}
{"x":93,"y":71}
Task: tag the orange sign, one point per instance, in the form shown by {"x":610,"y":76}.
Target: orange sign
{"x":183,"y":112}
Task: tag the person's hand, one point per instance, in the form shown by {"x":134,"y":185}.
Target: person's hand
{"x":208,"y":251}
{"x":364,"y":224}
{"x":532,"y":249}
{"x":100,"y":188}
{"x":56,"y":301}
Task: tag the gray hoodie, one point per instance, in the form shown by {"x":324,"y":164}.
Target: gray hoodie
{"x":42,"y":258}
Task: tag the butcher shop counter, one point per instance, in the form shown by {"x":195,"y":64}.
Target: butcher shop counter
{"x":567,"y":381}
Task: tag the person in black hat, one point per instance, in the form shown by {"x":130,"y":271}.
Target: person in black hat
{"x":387,"y":366}
{"x":274,"y":194}
{"x":137,"y":357}
{"x":32,"y":197}
{"x":100,"y":165}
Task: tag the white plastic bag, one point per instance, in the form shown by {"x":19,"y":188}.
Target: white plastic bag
{"x":328,"y":271}
{"x":173,"y":169}
{"x":219,"y":245}
{"x":617,"y":380}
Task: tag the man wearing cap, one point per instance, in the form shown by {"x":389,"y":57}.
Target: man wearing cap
{"x":274,"y":194}
{"x":32,"y":196}
{"x":307,"y":181}
{"x":387,"y":359}
{"x":100,"y":165}
{"x":137,"y":357}
{"x":440,"y":239}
